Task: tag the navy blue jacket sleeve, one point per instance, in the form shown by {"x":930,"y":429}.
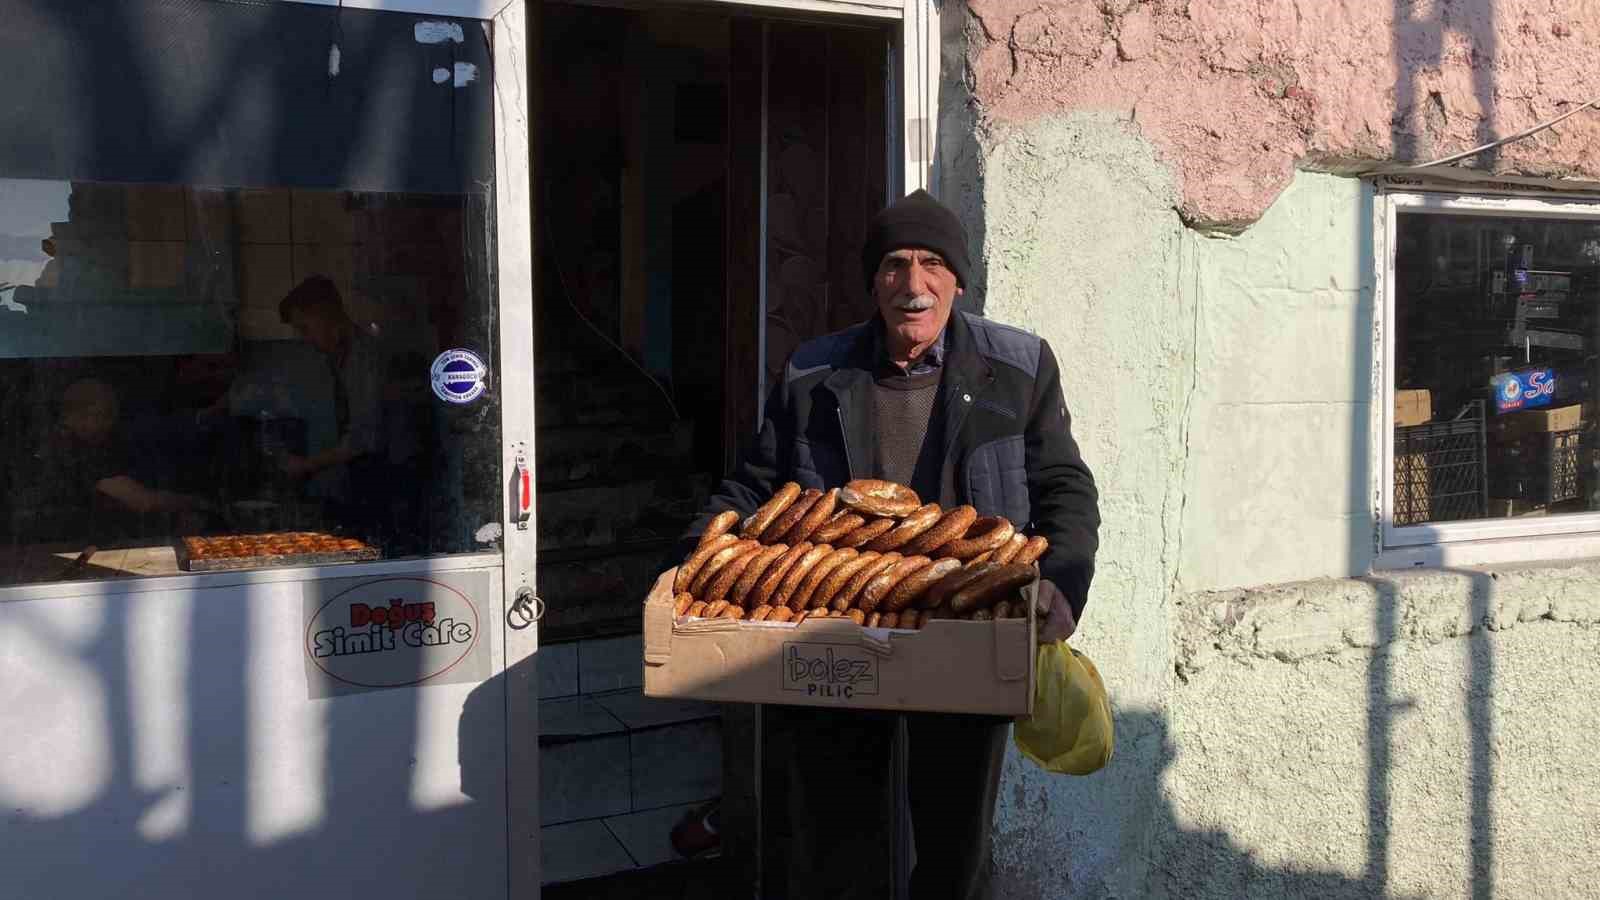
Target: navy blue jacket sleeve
{"x":1061,"y":489}
{"x":753,"y":481}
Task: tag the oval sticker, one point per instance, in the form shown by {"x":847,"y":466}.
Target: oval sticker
{"x":458,"y":376}
{"x":394,"y":632}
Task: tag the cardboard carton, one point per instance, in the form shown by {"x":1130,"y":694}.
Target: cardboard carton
{"x":1517,"y":425}
{"x":156,"y":212}
{"x":947,"y":666}
{"x":1412,"y":407}
{"x":263,"y":216}
{"x":155,"y":264}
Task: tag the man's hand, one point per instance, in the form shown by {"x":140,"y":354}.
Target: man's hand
{"x":1058,"y":623}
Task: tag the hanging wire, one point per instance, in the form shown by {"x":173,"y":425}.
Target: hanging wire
{"x":1530,"y":132}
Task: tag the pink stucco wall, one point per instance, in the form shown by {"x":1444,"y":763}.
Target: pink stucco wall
{"x":1236,"y":93}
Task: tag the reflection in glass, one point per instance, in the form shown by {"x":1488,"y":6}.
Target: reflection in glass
{"x":1497,"y":333}
{"x":183,"y":361}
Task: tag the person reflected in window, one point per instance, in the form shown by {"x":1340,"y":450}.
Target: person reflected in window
{"x":373,"y":446}
{"x":85,"y":489}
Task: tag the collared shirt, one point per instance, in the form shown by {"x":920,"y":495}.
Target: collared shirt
{"x":929,"y":362}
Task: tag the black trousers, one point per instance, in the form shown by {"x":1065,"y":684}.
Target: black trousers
{"x":829,"y":803}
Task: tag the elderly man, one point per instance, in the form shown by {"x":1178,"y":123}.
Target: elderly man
{"x":964,"y":411}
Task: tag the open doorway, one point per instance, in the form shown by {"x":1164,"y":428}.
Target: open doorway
{"x":704,"y":180}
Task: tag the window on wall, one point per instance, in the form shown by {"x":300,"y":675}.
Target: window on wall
{"x":225,"y":270}
{"x":1494,"y":350}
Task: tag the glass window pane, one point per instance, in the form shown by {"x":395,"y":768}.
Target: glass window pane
{"x":1496,"y":342}
{"x":185,"y":362}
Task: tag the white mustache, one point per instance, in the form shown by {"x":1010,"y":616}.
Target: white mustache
{"x":915,"y":304}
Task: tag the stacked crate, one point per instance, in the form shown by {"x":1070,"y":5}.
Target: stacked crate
{"x":1439,"y":468}
{"x":1539,"y":458}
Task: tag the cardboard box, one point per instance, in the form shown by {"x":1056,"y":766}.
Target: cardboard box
{"x":156,"y":212}
{"x":947,"y":666}
{"x":265,"y":275}
{"x":211,"y":217}
{"x":263,"y":216}
{"x":1413,"y":407}
{"x":1517,"y":425}
{"x":322,"y":217}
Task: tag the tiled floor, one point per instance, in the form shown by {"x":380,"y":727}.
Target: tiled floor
{"x":617,"y":769}
{"x":584,"y":779}
{"x":584,"y":761}
{"x":609,"y":664}
{"x":647,"y":835}
{"x":635,"y":710}
{"x":703,"y":880}
{"x":558,"y":670}
{"x":572,"y":717}
{"x":676,"y":763}
{"x":580,"y":850}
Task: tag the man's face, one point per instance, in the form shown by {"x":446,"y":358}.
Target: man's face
{"x":318,"y":330}
{"x":915,"y":291}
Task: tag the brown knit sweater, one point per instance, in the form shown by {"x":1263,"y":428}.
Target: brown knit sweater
{"x":905,"y":408}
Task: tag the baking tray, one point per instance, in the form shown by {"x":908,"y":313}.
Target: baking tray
{"x":256,"y":562}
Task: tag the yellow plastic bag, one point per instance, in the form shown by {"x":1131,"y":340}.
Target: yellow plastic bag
{"x":1070,"y":731}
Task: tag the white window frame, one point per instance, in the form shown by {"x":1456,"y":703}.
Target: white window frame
{"x":486,"y":10}
{"x":1472,"y":542}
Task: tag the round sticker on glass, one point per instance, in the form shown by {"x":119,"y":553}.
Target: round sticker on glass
{"x":457,"y":376}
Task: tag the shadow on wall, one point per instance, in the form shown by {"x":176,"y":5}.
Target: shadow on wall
{"x":1479,"y":703}
{"x":1186,"y":861}
{"x":167,"y":736}
{"x":1419,"y":44}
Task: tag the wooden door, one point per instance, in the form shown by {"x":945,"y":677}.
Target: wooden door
{"x":809,"y":144}
{"x":809,"y":123}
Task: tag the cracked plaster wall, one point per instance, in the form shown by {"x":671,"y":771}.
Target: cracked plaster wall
{"x":1336,"y":738}
{"x":1084,"y":248}
{"x":1277,"y":434}
{"x":1415,"y":735}
{"x":1219,"y":387}
{"x":1235,"y":94}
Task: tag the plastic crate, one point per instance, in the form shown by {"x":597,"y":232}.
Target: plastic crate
{"x":1542,"y":468}
{"x":1439,"y":469}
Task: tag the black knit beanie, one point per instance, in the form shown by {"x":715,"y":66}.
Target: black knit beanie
{"x":919,"y":221}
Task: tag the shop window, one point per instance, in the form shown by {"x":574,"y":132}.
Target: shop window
{"x":1495,"y":344}
{"x":222,"y":322}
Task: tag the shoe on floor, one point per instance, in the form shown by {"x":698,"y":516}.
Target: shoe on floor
{"x":695,"y":836}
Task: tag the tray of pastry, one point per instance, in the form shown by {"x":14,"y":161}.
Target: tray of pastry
{"x":282,"y":548}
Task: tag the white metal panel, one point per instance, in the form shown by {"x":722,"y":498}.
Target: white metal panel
{"x":463,"y":9}
{"x":172,"y":749}
{"x":514,"y":232}
{"x":207,"y":580}
{"x":1458,"y":554}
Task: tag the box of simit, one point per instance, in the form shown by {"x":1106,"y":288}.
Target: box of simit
{"x":945,"y":665}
